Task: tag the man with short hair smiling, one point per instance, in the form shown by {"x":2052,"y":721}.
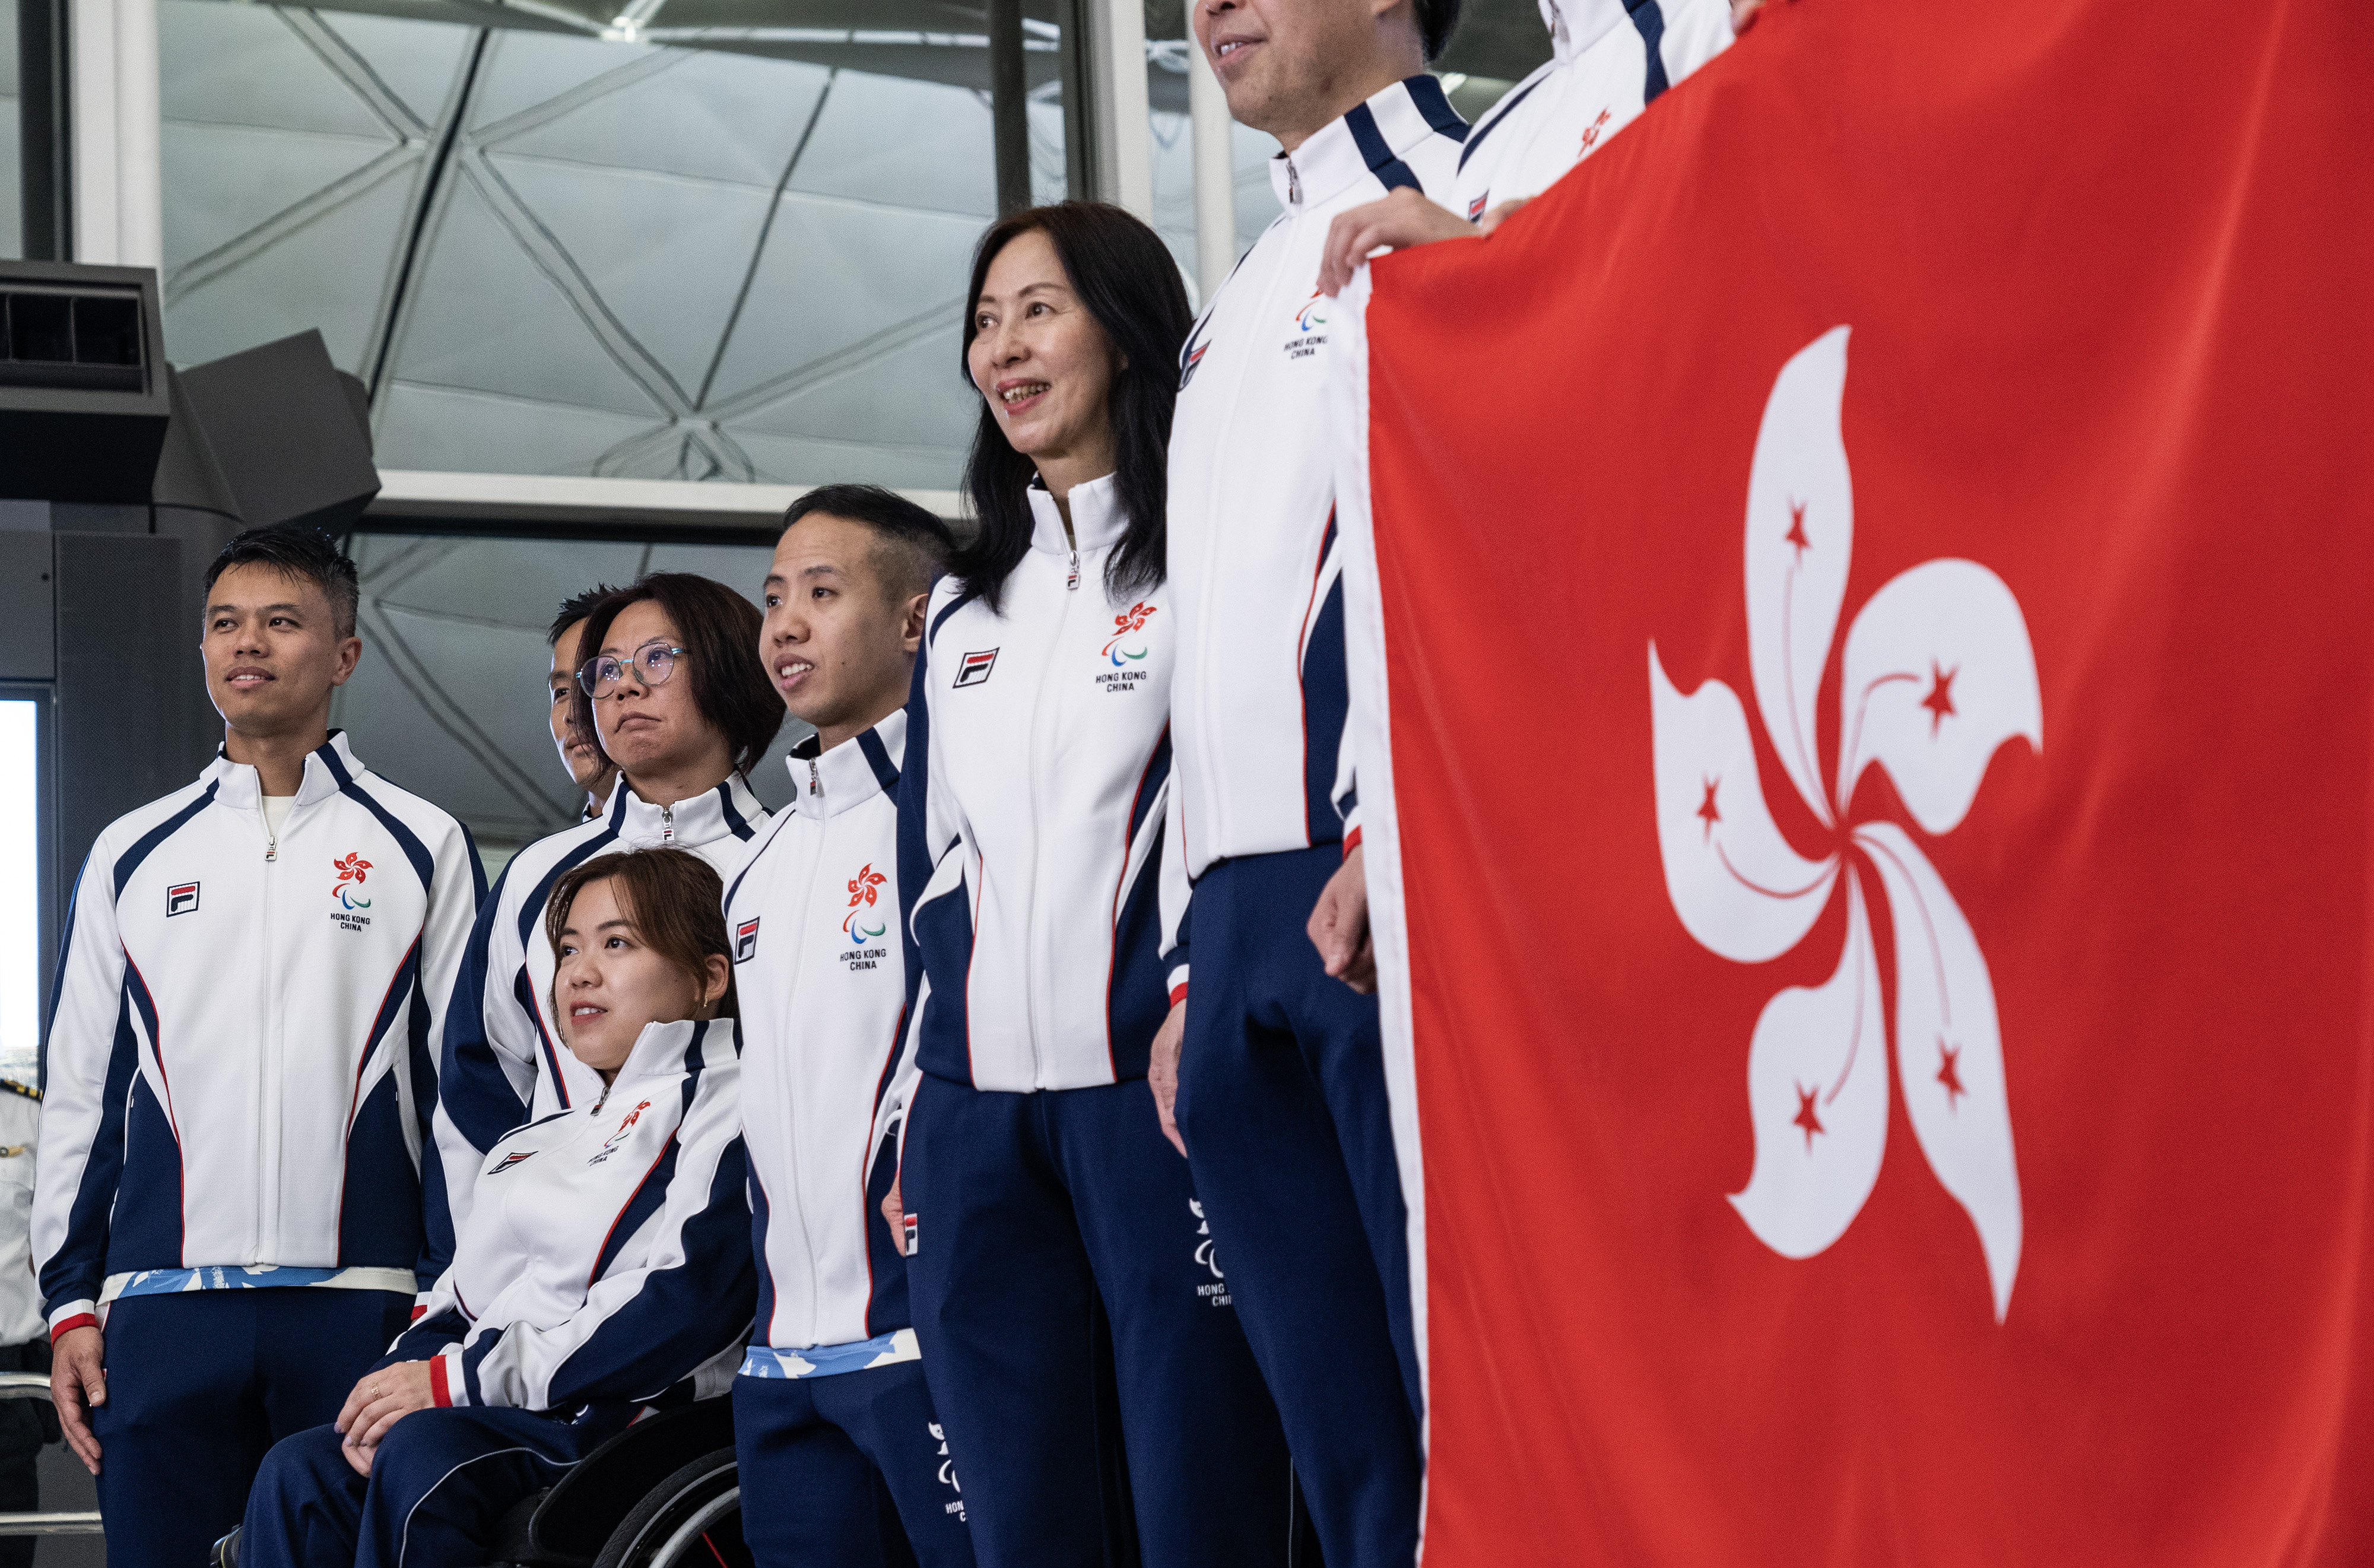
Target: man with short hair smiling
{"x":240,"y":1067}
{"x":1279,"y":1081}
{"x":831,"y":1406}
{"x":581,"y":753}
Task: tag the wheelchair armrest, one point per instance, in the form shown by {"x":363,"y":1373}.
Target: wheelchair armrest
{"x":579,"y":1515}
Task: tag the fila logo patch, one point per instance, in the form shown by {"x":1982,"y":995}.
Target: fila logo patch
{"x":511,"y":1160}
{"x":181,"y":899}
{"x":975,"y":668}
{"x":906,"y":1223}
{"x":1475,"y":207}
{"x":746,"y":941}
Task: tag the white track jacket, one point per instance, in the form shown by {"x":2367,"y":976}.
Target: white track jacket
{"x":821,"y":969}
{"x":607,"y":1258}
{"x":1258,"y":707}
{"x":502,"y":1061}
{"x":240,"y":1057}
{"x":1048,"y":924}
{"x":1610,"y":59}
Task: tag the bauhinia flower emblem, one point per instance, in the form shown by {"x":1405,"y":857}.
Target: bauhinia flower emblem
{"x":863,"y":889}
{"x":1936,"y":674}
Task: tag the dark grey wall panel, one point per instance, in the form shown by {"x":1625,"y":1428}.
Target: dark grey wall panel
{"x":27,"y":652}
{"x":118,"y":636}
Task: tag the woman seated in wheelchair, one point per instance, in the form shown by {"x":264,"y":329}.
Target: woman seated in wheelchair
{"x":605,"y":1267}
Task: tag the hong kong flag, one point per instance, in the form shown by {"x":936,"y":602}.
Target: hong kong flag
{"x":1865,"y":689}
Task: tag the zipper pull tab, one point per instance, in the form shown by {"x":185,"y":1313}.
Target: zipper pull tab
{"x":667,"y":824}
{"x":816,"y":786}
{"x":1073,"y":582}
{"x":1293,"y":184}
{"x":272,"y":849}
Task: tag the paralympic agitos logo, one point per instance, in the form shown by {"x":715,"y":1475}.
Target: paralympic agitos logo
{"x":863,"y":890}
{"x":1123,"y":626}
{"x":350,"y":880}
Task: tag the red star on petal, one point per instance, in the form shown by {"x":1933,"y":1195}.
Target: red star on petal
{"x":1805,"y":1117}
{"x":1949,"y":1073}
{"x":1706,"y":811}
{"x":1939,"y":701}
{"x":1796,"y":535}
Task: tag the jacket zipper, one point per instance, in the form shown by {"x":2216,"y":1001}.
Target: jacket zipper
{"x":1031,"y":965}
{"x":815,"y":785}
{"x":790,"y":1108}
{"x":266,"y":1130}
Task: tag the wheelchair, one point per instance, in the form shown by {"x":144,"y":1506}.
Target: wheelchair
{"x":609,"y":1511}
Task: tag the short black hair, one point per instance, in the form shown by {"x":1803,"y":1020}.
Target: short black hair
{"x":1436,"y":21}
{"x":720,"y":628}
{"x":574,"y":609}
{"x":911,"y":546}
{"x":296,"y":551}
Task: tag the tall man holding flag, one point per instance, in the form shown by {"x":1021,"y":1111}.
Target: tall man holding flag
{"x":1277,"y":1067}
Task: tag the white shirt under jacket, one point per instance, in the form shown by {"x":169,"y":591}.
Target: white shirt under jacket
{"x":241,"y":1054}
{"x":1049,"y":924}
{"x":1609,"y":61}
{"x":607,"y":1257}
{"x":820,"y":966}
{"x":1258,"y":708}
{"x":503,"y":1062}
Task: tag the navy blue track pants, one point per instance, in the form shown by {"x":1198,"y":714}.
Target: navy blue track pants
{"x":201,"y":1383}
{"x":1027,"y":1209}
{"x":847,"y":1471}
{"x":439,"y":1485}
{"x":1282,"y":1103}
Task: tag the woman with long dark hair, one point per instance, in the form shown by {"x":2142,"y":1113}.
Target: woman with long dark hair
{"x":1036,"y":1180}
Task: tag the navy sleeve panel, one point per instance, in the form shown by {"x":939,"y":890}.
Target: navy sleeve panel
{"x":424,"y":1340}
{"x":471,"y":1085}
{"x":682,"y":1316}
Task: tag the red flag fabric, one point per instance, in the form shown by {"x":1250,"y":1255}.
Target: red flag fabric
{"x":1875,"y":767}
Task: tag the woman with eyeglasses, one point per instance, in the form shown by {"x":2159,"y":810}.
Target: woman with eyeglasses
{"x":1036,"y":1181}
{"x":672,"y":687}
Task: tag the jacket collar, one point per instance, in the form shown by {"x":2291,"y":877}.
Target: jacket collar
{"x":669,"y":1051}
{"x":728,"y":811}
{"x":1576,"y":25}
{"x":1369,"y":139}
{"x":329,"y":768}
{"x":1097,"y":520}
{"x":825,"y":783}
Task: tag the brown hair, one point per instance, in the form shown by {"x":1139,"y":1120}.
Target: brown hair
{"x":671,"y":896}
{"x":720,"y":628}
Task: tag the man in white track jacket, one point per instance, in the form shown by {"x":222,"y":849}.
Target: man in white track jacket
{"x":1280,"y":1089}
{"x":240,"y":1067}
{"x":831,"y":1406}
{"x":1609,"y":60}
{"x":685,"y":713}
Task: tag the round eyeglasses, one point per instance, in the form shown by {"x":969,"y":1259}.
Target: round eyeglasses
{"x":653,"y":663}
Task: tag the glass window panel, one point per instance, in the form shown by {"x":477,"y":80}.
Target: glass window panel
{"x":20,"y":897}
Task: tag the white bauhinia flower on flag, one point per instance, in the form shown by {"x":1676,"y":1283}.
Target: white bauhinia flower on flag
{"x":1938,"y":673}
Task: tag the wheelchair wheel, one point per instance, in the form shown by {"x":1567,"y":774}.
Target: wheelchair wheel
{"x":692,"y":1519}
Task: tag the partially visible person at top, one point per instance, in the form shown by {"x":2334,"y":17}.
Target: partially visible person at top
{"x":229,"y":1212}
{"x":1036,"y":1183}
{"x":832,"y":1405}
{"x":590,"y":768}
{"x":557,"y":1325}
{"x":1276,"y":1066}
{"x":1608,"y":62}
{"x":669,"y":688}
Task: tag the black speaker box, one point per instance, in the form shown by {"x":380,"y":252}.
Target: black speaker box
{"x":277,"y":431}
{"x":83,"y":400}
